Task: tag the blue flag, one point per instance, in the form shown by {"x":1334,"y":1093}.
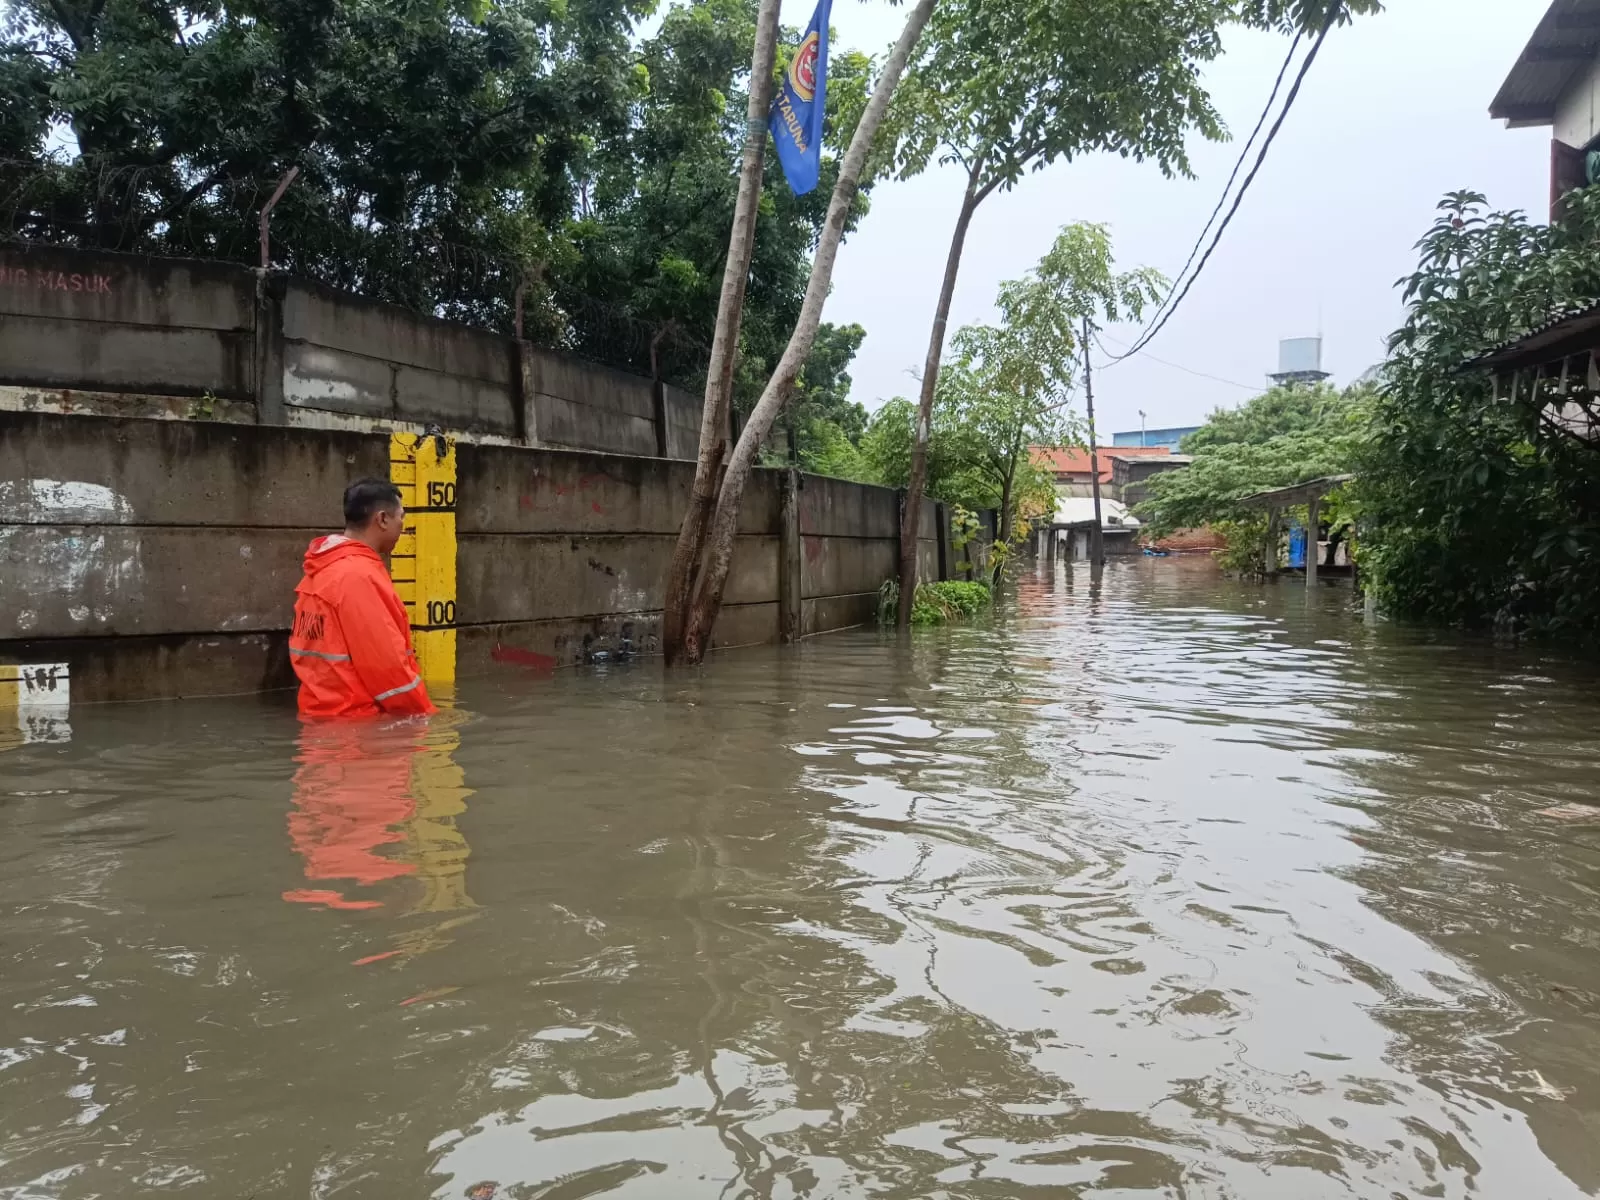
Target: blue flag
{"x":796,"y":118}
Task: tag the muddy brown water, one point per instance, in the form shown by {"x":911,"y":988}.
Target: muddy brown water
{"x":1174,"y":887}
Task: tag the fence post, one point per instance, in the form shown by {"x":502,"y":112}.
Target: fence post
{"x":267,"y":350}
{"x":941,"y":517}
{"x":791,"y":600}
{"x":525,"y":392}
{"x":658,"y":403}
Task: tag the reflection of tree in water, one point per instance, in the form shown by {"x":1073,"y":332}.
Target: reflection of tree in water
{"x":1457,"y":747}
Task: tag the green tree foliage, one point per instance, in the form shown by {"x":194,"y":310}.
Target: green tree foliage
{"x":653,"y":235}
{"x":449,"y":150}
{"x":1285,"y":436}
{"x":1473,"y":511}
{"x":827,"y":424}
{"x":1278,"y":412}
{"x":424,"y":132}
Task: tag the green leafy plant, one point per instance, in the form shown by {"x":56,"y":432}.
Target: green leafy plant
{"x":888,"y":601}
{"x":1285,"y":436}
{"x":1473,"y":511}
{"x":950,"y":600}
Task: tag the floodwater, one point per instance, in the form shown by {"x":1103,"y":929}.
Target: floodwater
{"x":1172,"y":887}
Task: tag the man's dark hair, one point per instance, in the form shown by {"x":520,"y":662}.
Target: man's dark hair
{"x":367,"y":496}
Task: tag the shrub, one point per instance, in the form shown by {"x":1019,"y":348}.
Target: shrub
{"x":937,"y":603}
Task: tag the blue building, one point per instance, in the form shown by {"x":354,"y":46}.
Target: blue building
{"x":1153,"y":437}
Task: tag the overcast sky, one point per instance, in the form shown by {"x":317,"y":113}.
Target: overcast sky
{"x":1393,"y":115}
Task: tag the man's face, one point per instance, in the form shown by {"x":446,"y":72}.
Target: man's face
{"x":387,"y":524}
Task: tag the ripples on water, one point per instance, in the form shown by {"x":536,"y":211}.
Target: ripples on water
{"x":1175,"y":887}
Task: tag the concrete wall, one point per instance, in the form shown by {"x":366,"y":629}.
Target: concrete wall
{"x":348,"y":356}
{"x":127,"y":327}
{"x":159,"y":557}
{"x":120,"y":335}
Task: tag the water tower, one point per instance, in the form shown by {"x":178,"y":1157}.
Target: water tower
{"x":1299,"y":361}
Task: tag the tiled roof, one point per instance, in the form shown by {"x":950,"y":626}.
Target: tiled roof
{"x":1074,"y":460}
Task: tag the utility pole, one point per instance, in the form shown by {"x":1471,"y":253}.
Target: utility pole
{"x":1097,"y":539}
{"x":1142,"y":442}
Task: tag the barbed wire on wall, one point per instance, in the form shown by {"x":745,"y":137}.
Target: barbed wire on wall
{"x":163,"y":213}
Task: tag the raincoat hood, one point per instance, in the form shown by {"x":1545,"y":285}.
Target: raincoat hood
{"x":324,"y":551}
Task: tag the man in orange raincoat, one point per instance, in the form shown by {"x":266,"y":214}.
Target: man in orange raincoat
{"x":351,"y":642}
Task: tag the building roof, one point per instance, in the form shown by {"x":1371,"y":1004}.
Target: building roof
{"x":1152,"y":437}
{"x":1079,"y":510}
{"x":1300,"y":493}
{"x":1177,"y":460}
{"x":1074,"y":460}
{"x":1567,"y":334}
{"x":1563,"y":45}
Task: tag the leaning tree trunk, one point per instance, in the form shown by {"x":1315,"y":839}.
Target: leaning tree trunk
{"x":686,"y":555}
{"x":707,"y":601}
{"x":917,"y":485}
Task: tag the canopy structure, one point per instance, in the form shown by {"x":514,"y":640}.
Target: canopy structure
{"x":1556,"y":369}
{"x":1309,"y":493}
{"x":1300,"y":493}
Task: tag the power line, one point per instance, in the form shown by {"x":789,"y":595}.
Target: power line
{"x":1169,"y":309}
{"x":1249,"y":387}
{"x":1244,"y":153}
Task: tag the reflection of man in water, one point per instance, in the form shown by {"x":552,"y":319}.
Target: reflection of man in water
{"x":375,"y":802}
{"x":351,"y":642}
{"x":351,"y":795}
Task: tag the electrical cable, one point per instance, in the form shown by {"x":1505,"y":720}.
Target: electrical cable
{"x":1169,"y":308}
{"x":1249,"y":387}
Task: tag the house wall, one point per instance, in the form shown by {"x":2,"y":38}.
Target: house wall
{"x":1577,"y":120}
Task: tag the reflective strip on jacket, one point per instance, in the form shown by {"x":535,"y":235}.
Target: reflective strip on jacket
{"x":351,"y":642}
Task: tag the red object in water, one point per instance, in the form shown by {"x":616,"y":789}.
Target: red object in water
{"x":351,"y":642}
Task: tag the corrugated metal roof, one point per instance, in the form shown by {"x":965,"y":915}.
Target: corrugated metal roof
{"x":1079,"y":510}
{"x":1567,"y":333}
{"x":1566,"y":41}
{"x":1074,"y":460}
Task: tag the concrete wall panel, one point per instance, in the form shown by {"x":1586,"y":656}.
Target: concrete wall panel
{"x":601,"y":387}
{"x":508,"y":490}
{"x":77,"y":470}
{"x":318,"y":377}
{"x":683,"y":423}
{"x":501,"y":578}
{"x":835,"y":508}
{"x":539,"y":647}
{"x":828,"y":613}
{"x":340,"y":381}
{"x":173,"y":667}
{"x":342,"y":321}
{"x":576,"y":424}
{"x":164,"y":360}
{"x":72,"y":285}
{"x":845,"y":566}
{"x":128,"y":581}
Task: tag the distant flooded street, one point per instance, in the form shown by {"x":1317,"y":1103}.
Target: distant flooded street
{"x":1173,"y":887}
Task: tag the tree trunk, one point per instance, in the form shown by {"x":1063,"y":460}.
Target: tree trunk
{"x":707,"y":599}
{"x":1097,"y":535}
{"x":1008,"y":526}
{"x":686,"y":555}
{"x":911,"y":518}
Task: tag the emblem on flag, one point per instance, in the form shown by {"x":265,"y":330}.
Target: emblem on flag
{"x":797,"y":109}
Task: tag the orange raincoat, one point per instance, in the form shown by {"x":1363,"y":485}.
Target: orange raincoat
{"x":351,"y":642}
